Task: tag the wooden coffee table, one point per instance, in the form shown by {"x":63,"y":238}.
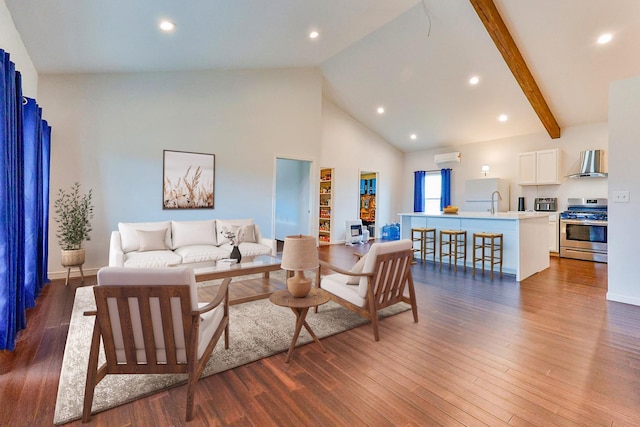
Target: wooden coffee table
{"x":242,"y":290}
{"x":300,"y":307}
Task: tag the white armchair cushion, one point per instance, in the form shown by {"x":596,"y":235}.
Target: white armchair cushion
{"x":209,"y":322}
{"x":129,"y":235}
{"x":357,"y":268}
{"x":122,"y":276}
{"x":200,"y":253}
{"x":370,"y":262}
{"x":187,"y":233}
{"x":151,"y":259}
{"x":337,"y":285}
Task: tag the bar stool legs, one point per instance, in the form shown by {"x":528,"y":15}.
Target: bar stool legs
{"x":426,"y":237}
{"x":490,"y":246}
{"x":453,"y":244}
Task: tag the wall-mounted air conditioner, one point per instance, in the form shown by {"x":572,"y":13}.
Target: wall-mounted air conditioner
{"x":447,"y":157}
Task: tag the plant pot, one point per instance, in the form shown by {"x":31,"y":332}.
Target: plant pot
{"x":72,"y":257}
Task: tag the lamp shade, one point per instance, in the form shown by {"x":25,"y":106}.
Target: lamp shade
{"x":299,"y":253}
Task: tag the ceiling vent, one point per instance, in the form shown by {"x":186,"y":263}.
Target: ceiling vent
{"x":447,"y":157}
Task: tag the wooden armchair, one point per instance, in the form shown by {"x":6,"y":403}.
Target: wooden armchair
{"x":384,"y":278}
{"x":150,"y":322}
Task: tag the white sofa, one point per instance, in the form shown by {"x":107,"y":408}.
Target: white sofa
{"x":164,"y":243}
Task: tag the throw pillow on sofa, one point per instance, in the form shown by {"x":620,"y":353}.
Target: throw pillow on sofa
{"x":151,"y":240}
{"x":129,"y":235}
{"x":242,"y":228}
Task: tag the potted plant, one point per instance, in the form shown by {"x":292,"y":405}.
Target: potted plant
{"x":73,"y":216}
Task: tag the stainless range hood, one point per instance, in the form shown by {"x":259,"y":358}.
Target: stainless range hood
{"x":591,"y":165}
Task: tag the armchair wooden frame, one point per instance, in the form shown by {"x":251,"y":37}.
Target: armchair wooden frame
{"x":123,"y":296}
{"x":387,"y":283}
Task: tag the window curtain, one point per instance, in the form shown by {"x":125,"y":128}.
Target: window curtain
{"x":418,"y":190}
{"x":23,"y":207}
{"x":445,"y":192}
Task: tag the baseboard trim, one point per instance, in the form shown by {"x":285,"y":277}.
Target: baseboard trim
{"x":75,"y":272}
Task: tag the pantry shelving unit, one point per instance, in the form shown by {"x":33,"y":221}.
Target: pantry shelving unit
{"x":325,"y":214}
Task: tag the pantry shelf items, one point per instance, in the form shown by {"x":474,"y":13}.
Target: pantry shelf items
{"x":325,"y":214}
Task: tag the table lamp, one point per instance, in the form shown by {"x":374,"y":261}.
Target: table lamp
{"x":299,"y":253}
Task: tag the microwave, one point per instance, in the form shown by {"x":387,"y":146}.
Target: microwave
{"x":545,"y":204}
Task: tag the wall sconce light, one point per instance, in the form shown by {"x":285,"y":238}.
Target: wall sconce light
{"x":485,"y":169}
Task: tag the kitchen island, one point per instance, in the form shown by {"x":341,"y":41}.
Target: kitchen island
{"x":526,"y":236}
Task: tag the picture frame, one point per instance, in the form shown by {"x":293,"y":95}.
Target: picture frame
{"x":188,"y":180}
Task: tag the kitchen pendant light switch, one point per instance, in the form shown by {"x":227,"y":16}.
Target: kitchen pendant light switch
{"x":621,"y":196}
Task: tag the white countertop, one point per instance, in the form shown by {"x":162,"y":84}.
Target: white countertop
{"x":513,"y":216}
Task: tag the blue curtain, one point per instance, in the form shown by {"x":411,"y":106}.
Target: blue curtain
{"x":445,"y":191}
{"x":22,"y":206}
{"x":418,"y":191}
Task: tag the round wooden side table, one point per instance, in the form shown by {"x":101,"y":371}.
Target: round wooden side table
{"x":300,"y":307}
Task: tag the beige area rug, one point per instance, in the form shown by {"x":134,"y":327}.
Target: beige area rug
{"x":256,"y":330}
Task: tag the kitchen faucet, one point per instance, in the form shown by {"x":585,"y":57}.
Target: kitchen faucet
{"x":493,"y":209}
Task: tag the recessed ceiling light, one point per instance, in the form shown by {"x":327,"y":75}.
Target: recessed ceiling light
{"x":167,"y":26}
{"x":503,"y":118}
{"x":313,"y":35}
{"x":474,"y":80}
{"x":605,"y":38}
{"x":380,"y":110}
{"x":413,"y":136}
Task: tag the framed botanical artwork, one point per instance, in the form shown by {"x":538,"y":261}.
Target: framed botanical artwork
{"x":187,"y":180}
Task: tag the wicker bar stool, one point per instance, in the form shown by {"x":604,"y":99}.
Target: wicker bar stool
{"x":453,"y":245}
{"x":490,"y":246}
{"x":426,"y":237}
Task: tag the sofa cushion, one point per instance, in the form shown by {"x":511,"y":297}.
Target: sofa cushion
{"x":129,"y":235}
{"x":187,"y":233}
{"x":242,"y":227}
{"x":151,"y":240}
{"x":200,"y":253}
{"x":151,"y":259}
{"x":248,"y":249}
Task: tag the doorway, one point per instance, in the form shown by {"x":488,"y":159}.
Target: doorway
{"x":292,"y":198}
{"x":368,"y":190}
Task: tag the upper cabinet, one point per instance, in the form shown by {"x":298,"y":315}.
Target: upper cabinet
{"x":539,"y":167}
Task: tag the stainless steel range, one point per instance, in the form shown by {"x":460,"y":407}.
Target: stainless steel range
{"x":583,"y":230}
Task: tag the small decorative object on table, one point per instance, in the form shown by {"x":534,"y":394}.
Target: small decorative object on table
{"x":235,"y":241}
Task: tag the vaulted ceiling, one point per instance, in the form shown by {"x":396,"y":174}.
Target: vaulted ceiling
{"x":412,"y":57}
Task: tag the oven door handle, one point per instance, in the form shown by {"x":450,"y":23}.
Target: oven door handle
{"x":583,"y":222}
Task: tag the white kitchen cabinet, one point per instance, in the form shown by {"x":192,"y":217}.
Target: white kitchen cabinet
{"x":554,"y":232}
{"x":539,"y":167}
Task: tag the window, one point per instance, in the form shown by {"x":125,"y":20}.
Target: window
{"x":432,"y":191}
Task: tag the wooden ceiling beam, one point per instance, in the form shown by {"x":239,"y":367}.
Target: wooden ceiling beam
{"x":490,"y":17}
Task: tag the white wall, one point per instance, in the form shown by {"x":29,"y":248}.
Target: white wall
{"x":109,"y":132}
{"x":349,"y":147}
{"x":11,"y":42}
{"x":500,"y":155}
{"x":624,"y":234}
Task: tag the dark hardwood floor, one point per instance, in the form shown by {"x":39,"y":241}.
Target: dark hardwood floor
{"x":550,"y":351}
